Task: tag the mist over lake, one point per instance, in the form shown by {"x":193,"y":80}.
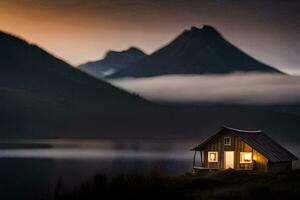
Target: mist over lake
{"x":235,"y":88}
{"x":38,"y":165}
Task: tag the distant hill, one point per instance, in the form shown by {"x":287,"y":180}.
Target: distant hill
{"x":195,"y":51}
{"x":112,"y":62}
{"x":42,"y":96}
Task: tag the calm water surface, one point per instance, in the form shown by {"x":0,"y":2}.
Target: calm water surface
{"x":34,"y":167}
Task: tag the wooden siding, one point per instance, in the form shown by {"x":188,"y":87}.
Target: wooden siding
{"x":241,"y":146}
{"x":261,"y":162}
{"x":237,"y":145}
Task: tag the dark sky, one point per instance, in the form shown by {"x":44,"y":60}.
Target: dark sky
{"x":82,"y":30}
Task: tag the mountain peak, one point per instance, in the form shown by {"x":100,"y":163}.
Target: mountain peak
{"x":196,"y":51}
{"x":209,"y":28}
{"x":136,"y":49}
{"x":113,"y":61}
{"x":112,"y":54}
{"x":195,"y":29}
{"x":131,"y":51}
{"x":206,"y":30}
{"x":10,"y":39}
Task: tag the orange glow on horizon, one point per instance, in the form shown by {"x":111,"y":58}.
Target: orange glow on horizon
{"x":84,"y":30}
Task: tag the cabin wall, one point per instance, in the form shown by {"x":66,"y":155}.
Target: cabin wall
{"x":241,"y":146}
{"x":214,"y":145}
{"x":217,"y":144}
{"x":259,"y":162}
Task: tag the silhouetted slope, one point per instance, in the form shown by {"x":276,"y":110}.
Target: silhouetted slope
{"x":113,"y":62}
{"x":195,"y":51}
{"x":40,"y":93}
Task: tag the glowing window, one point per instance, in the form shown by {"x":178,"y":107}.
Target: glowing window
{"x":246,"y":157}
{"x":227,"y":141}
{"x":212,"y":156}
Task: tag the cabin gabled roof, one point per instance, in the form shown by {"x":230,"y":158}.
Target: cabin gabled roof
{"x":258,"y":140}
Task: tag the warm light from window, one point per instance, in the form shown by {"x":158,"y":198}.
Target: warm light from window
{"x":212,"y":156}
{"x":246,"y":157}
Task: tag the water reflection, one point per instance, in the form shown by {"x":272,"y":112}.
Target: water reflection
{"x":33,"y":167}
{"x":72,"y":153}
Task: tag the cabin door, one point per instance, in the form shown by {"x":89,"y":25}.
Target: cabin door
{"x":228,"y":159}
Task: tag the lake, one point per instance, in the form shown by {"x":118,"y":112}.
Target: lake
{"x":32,"y":168}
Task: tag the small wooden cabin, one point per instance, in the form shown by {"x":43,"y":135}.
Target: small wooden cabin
{"x":241,"y":150}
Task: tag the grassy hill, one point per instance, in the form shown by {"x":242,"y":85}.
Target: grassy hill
{"x":227,"y":184}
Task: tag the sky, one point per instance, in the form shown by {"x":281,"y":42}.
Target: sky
{"x":83,"y":30}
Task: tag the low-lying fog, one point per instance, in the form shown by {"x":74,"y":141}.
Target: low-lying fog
{"x":240,"y":88}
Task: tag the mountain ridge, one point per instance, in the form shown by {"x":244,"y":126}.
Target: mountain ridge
{"x":112,"y":62}
{"x":41,"y":94}
{"x":44,"y":97}
{"x":195,"y":51}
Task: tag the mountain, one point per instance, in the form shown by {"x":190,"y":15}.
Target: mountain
{"x":112,"y":62}
{"x":42,"y":96}
{"x":195,"y":51}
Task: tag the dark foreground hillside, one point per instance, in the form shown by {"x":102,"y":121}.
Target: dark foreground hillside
{"x":228,"y":184}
